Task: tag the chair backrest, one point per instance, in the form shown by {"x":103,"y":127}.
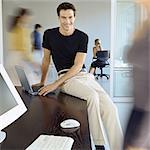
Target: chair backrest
{"x":103,"y":55}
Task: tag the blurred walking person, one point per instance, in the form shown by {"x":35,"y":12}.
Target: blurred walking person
{"x":138,"y":130}
{"x":19,"y":42}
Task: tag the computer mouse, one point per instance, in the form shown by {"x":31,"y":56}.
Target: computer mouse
{"x":70,"y":123}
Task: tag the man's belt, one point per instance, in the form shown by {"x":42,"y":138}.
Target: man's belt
{"x":66,"y":70}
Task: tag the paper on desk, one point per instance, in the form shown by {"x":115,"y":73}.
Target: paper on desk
{"x":51,"y":142}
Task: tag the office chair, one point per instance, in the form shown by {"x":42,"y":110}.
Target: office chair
{"x":102,"y":61}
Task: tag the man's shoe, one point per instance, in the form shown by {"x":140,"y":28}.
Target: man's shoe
{"x":100,"y":147}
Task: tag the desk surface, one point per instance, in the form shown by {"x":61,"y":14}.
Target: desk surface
{"x":44,"y":116}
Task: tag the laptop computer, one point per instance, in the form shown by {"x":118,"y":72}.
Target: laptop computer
{"x":25,"y":83}
{"x":103,"y":55}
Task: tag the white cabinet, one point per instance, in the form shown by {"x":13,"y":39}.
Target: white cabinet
{"x":123,"y":83}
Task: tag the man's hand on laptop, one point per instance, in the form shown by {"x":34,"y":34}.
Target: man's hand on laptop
{"x":48,"y":88}
{"x":36,"y":87}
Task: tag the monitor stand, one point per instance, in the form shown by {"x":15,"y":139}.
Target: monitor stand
{"x":2,"y":136}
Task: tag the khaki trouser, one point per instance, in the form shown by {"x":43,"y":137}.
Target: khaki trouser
{"x":102,"y":113}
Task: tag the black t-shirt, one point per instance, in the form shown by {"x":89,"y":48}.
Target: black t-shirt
{"x":64,"y":48}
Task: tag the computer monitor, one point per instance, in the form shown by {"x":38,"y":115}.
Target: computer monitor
{"x":11,"y":104}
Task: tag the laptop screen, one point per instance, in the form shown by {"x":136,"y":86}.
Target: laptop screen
{"x":23,"y":79}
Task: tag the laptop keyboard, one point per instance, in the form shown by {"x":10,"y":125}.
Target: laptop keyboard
{"x":36,"y":88}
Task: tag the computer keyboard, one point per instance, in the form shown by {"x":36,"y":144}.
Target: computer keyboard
{"x":51,"y":142}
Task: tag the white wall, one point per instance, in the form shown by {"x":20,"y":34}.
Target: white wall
{"x":1,"y":34}
{"x":93,"y":17}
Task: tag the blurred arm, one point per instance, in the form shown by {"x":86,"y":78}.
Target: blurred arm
{"x":45,"y":64}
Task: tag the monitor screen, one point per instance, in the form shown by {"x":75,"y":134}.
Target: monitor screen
{"x":11,"y":104}
{"x":7,"y":99}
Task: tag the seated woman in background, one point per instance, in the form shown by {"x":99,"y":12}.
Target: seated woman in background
{"x":95,"y":62}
